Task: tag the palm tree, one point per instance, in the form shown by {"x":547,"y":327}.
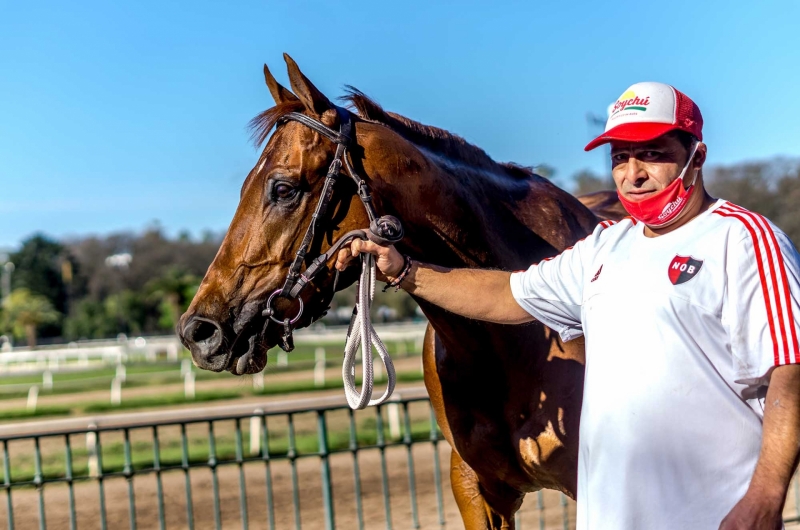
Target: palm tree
{"x":24,"y":311}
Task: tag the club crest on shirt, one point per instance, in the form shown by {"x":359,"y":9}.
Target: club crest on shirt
{"x":682,"y":269}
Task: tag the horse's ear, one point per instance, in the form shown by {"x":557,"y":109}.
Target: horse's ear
{"x":314,"y":100}
{"x":279,"y":93}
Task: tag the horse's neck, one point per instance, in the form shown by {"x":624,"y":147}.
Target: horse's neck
{"x":458,"y":216}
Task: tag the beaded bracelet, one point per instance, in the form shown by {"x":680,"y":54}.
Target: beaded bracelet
{"x":397,"y":281}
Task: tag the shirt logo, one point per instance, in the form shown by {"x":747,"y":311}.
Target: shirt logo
{"x":597,"y":274}
{"x":682,"y":269}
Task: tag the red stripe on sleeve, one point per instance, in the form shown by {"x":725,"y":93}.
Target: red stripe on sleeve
{"x":787,"y":302}
{"x":759,"y":262}
{"x":778,"y":274}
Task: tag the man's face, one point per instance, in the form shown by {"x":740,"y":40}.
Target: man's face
{"x":641,"y":170}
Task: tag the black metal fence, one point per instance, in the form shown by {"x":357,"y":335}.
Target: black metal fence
{"x":312,"y":463}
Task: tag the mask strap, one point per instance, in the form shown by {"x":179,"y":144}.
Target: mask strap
{"x":688,"y":162}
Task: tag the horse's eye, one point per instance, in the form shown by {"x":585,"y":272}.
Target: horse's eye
{"x":283,"y":191}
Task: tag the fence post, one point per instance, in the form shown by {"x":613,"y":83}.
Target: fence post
{"x":172,"y":351}
{"x":258,"y":381}
{"x":319,"y":367}
{"x":283,"y":358}
{"x":255,"y":432}
{"x":186,"y":367}
{"x":188,"y":385}
{"x":47,"y":380}
{"x":327,"y":486}
{"x":393,"y":411}
{"x":33,"y":396}
{"x":121,"y":372}
{"x":91,"y":451}
{"x":116,"y":391}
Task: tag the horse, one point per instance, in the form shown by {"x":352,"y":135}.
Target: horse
{"x":506,"y":398}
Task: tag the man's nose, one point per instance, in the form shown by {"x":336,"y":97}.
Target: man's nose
{"x":634,"y":170}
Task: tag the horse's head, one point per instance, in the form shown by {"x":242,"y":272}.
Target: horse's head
{"x":224,"y":327}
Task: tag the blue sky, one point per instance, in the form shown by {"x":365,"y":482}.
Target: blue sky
{"x":116,"y":114}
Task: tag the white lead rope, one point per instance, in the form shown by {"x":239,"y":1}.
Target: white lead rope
{"x":362,"y":333}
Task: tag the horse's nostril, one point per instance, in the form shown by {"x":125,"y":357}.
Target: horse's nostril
{"x":202,"y":331}
{"x":204,"y":339}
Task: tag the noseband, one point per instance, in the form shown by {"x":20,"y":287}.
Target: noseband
{"x":382,"y":230}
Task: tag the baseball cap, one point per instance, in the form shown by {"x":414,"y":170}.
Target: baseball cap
{"x":648,"y":110}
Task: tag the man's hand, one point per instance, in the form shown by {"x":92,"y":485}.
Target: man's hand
{"x":754,"y":512}
{"x":761,"y":506}
{"x":388,"y":260}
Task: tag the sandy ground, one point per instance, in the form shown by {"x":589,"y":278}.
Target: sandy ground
{"x":311,"y":510}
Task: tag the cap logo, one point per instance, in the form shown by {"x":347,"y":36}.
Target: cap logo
{"x":630,"y":101}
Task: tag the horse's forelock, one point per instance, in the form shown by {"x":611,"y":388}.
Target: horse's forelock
{"x":261,"y":125}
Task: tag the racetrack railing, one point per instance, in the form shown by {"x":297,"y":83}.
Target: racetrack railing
{"x":309,"y":463}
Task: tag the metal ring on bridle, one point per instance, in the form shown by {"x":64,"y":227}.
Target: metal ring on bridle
{"x":271,"y":313}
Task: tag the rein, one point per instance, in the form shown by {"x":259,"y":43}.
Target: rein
{"x":382,"y":230}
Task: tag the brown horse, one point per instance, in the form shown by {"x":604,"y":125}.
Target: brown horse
{"x":507,"y":398}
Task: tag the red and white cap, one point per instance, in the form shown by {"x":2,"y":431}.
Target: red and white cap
{"x":646,"y":111}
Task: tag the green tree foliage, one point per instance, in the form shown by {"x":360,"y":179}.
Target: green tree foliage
{"x":143,"y":294}
{"x":24,"y":312}
{"x":124,"y":312}
{"x":45,"y":267}
{"x":175,"y":290}
{"x":38,"y":269}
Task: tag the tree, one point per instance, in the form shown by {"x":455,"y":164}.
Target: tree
{"x":24,"y":312}
{"x":587,"y":181}
{"x":769,"y":187}
{"x":175,"y":290}
{"x":40,"y":269}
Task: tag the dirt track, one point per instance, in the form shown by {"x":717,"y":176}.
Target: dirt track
{"x":311,"y":509}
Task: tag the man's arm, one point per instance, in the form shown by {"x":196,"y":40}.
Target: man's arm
{"x":473,"y":293}
{"x":762,"y":505}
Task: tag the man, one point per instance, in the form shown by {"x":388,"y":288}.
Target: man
{"x":691,"y":410}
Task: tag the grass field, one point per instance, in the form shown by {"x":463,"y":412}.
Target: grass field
{"x":179,"y":398}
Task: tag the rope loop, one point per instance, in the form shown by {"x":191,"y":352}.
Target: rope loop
{"x":362,"y":333}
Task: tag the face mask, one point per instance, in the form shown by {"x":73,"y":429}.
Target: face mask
{"x":663,"y":207}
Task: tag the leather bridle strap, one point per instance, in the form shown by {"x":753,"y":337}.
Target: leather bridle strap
{"x":383,"y":230}
{"x":291,"y":288}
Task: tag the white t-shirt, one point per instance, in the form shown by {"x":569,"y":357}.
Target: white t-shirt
{"x":681,"y":331}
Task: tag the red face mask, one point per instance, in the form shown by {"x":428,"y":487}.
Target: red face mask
{"x":663,"y":207}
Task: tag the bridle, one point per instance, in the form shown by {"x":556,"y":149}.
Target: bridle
{"x":382,"y":230}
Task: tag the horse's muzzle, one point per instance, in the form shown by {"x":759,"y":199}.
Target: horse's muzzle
{"x":204,"y":338}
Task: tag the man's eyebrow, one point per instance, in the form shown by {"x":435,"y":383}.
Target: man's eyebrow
{"x":637,"y":146}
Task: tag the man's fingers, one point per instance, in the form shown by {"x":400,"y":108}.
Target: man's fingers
{"x":343,"y":258}
{"x":346,"y":255}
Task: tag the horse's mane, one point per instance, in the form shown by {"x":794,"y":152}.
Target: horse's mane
{"x":434,"y":139}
